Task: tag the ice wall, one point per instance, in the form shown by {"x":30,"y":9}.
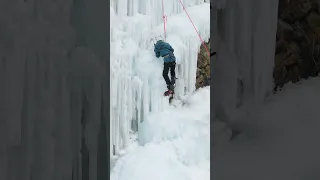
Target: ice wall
{"x":136,"y":79}
{"x":53,"y":90}
{"x":243,"y":35}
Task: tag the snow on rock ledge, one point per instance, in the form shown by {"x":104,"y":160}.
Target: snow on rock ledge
{"x":136,"y":74}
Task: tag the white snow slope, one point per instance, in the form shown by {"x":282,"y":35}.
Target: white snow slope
{"x":278,"y":141}
{"x":174,"y":143}
{"x":137,"y":85}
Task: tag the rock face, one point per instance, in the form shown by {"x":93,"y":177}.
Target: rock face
{"x":298,"y":41}
{"x":203,"y":67}
{"x":54,"y":90}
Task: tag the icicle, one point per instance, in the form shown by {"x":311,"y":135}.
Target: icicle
{"x":246,"y":46}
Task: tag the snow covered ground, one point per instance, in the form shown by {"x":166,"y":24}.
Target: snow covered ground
{"x":278,"y":141}
{"x":176,"y":144}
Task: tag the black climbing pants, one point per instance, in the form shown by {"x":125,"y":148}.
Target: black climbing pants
{"x":166,"y":67}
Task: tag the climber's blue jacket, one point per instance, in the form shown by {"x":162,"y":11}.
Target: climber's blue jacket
{"x":164,"y":50}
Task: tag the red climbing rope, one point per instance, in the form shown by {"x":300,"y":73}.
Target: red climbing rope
{"x":164,"y":25}
{"x":164,"y":21}
{"x":195,"y":28}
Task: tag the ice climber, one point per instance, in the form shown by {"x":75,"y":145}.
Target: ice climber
{"x":165,"y":50}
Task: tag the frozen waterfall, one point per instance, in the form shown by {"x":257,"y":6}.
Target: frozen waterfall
{"x":243,"y":35}
{"x":136,"y":79}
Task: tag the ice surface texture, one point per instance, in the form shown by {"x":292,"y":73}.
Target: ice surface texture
{"x":243,"y":35}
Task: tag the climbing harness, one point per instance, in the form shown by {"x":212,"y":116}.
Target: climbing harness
{"x":165,"y":22}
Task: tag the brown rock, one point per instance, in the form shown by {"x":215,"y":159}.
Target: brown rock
{"x":317,"y":35}
{"x":298,"y":36}
{"x":198,"y":72}
{"x":280,"y":46}
{"x":292,"y":54}
{"x":294,"y":74}
{"x":207,"y":71}
{"x":313,"y":19}
{"x":203,"y":66}
{"x":279,"y":58}
{"x":202,"y":62}
{"x":199,"y":82}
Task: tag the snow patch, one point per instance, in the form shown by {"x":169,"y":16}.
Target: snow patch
{"x":175,"y":144}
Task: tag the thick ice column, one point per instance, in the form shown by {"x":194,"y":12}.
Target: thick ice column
{"x":151,"y":7}
{"x":245,"y":33}
{"x":264,"y":29}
